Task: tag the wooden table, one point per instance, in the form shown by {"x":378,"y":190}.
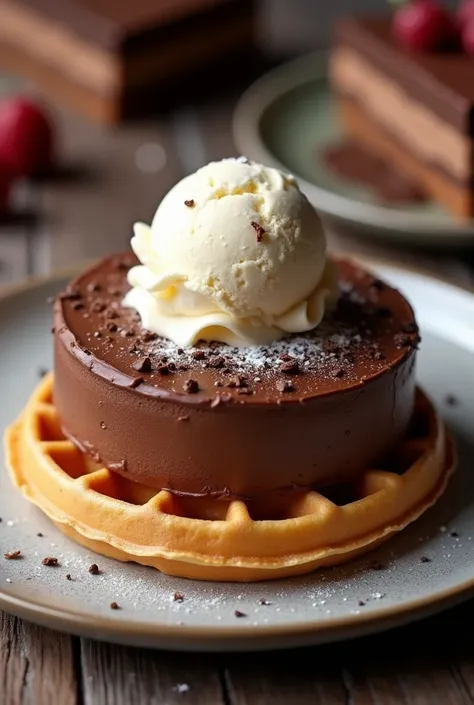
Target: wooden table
{"x":112,"y":178}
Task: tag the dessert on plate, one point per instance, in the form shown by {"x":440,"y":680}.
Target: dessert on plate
{"x":404,"y":87}
{"x":229,"y":402}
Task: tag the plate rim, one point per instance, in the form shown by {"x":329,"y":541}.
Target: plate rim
{"x":232,"y":638}
{"x":245,"y":125}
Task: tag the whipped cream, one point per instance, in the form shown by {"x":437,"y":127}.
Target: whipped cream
{"x":235,"y":253}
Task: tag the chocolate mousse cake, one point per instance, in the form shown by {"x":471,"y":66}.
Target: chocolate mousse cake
{"x":412,"y":106}
{"x":228,"y":401}
{"x":310,"y":410}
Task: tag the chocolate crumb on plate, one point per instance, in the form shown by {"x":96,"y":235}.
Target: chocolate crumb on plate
{"x":50,"y":562}
{"x":425,"y":559}
{"x":42,"y":371}
{"x":454,"y":534}
{"x":451,"y":400}
{"x":12,"y":555}
{"x":178,"y":597}
{"x":189,"y":203}
{"x":40,"y":535}
{"x":239,"y":614}
{"x":114,"y":606}
{"x":68,"y":576}
{"x":361,"y":603}
{"x":264,"y":602}
{"x":94,"y":569}
{"x":377,"y":565}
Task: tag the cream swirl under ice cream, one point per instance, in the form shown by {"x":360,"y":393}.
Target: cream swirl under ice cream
{"x":235,"y":253}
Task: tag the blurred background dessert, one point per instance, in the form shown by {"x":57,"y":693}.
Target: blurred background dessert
{"x":104,"y":105}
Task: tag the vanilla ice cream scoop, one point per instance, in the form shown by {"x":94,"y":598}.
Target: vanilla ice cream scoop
{"x":235,"y":253}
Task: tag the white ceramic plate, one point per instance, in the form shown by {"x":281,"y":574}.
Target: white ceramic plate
{"x":287,"y":119}
{"x":320,"y":607}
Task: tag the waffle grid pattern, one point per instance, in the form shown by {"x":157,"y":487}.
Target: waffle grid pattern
{"x":223,"y":539}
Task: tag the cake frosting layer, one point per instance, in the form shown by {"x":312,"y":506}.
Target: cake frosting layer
{"x":309,"y":410}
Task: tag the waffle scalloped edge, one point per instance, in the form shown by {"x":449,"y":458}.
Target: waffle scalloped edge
{"x":215,"y":539}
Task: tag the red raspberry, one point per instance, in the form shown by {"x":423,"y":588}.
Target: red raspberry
{"x":424,"y":26}
{"x":26,"y":137}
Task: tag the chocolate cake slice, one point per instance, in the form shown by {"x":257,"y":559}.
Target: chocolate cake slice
{"x":114,"y":59}
{"x":416,"y":109}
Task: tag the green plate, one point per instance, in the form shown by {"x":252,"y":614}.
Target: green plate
{"x":286,"y":119}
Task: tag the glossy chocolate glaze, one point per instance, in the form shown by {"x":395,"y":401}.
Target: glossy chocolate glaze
{"x":311,"y":410}
{"x":443,"y":81}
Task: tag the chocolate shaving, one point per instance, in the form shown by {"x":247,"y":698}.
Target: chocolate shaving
{"x":339,"y":372}
{"x":12,"y":555}
{"x":198,"y":355}
{"x":163,"y":369}
{"x":111,"y":326}
{"x":142,"y":365}
{"x":50,"y":562}
{"x":147,"y":336}
{"x":190,"y":203}
{"x":239,"y":614}
{"x":217,"y":362}
{"x":94,"y":569}
{"x":191,"y":386}
{"x":377,"y":565}
{"x":258,"y":229}
{"x":290,"y":367}
{"x":77,"y":305}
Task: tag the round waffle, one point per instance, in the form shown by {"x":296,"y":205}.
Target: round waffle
{"x":228,"y":539}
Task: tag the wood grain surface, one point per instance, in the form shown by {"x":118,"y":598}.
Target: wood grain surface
{"x":111,"y":178}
